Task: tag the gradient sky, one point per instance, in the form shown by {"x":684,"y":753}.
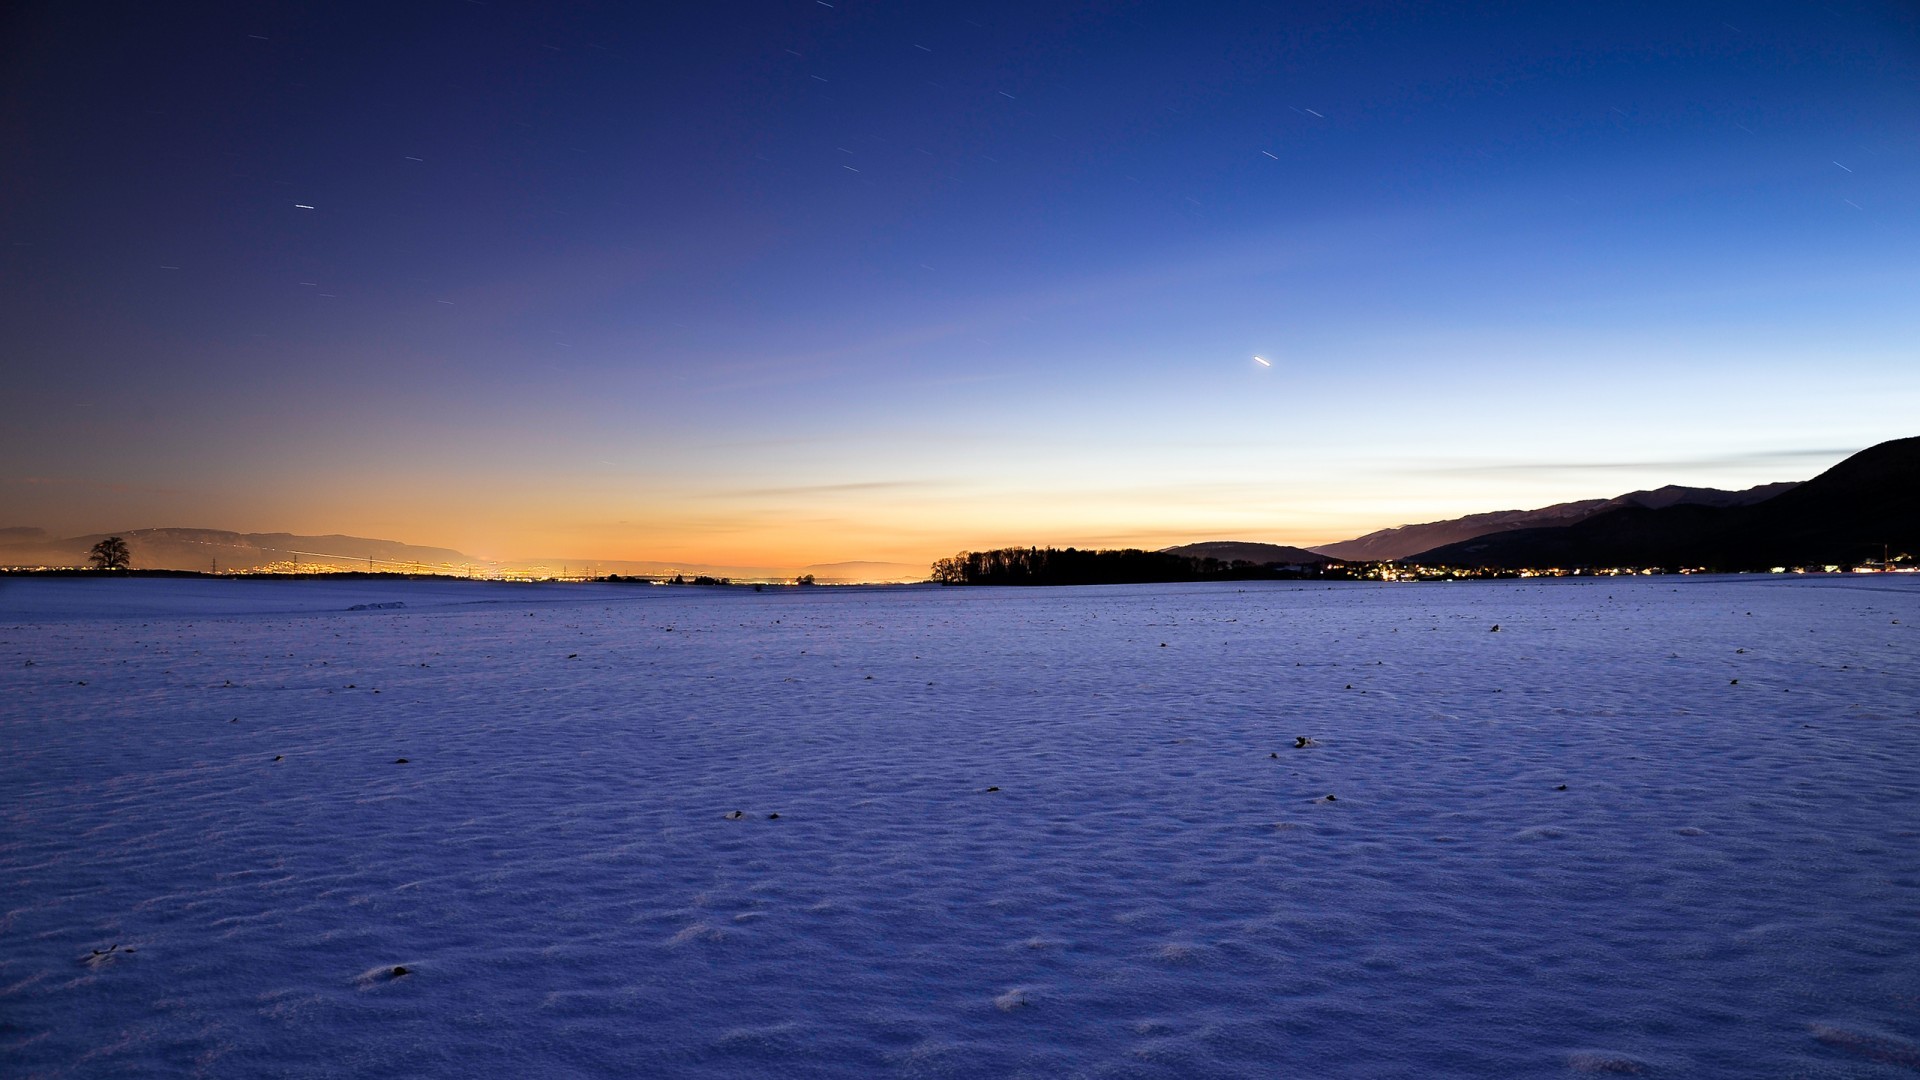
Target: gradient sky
{"x":779,"y":283}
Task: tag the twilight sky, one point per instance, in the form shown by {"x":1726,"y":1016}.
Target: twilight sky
{"x":785,"y":282}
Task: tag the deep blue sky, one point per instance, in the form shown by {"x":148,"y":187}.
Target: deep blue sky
{"x":789,"y":282}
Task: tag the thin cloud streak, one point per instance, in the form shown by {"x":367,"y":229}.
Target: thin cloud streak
{"x":827,"y":489}
{"x":114,"y":487}
{"x":1756,"y":457}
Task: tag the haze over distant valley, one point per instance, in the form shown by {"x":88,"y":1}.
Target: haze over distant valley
{"x":1839,"y":516}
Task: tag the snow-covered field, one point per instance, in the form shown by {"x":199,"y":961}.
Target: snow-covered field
{"x":1665,"y":826}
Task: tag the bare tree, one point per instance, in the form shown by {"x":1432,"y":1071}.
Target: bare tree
{"x":111,"y":554}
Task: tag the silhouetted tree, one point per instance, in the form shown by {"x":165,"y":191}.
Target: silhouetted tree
{"x":111,"y":554}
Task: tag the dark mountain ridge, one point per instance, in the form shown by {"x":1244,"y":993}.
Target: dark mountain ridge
{"x":1401,"y":541}
{"x":1851,"y":513}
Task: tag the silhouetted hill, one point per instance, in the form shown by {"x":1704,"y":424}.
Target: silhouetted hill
{"x":1842,"y":516}
{"x":1232,"y":551}
{"x":201,"y":549}
{"x":1675,"y":495}
{"x":1387,"y":545}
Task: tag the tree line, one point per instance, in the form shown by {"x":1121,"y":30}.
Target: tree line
{"x":1071,"y":566}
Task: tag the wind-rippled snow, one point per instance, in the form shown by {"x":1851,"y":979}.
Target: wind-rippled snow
{"x":1045,"y":833}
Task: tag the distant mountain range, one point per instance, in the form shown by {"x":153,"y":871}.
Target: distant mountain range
{"x":1851,"y":513}
{"x":1863,"y":506}
{"x":218,"y":549}
{"x":1387,"y":545}
{"x":205,"y":549}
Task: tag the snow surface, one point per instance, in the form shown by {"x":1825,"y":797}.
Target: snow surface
{"x":211,"y":861}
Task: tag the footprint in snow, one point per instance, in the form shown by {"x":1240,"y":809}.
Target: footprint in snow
{"x":1015,"y":998}
{"x":1885,"y":1049}
{"x":112,"y":954}
{"x":1591,"y":1061}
